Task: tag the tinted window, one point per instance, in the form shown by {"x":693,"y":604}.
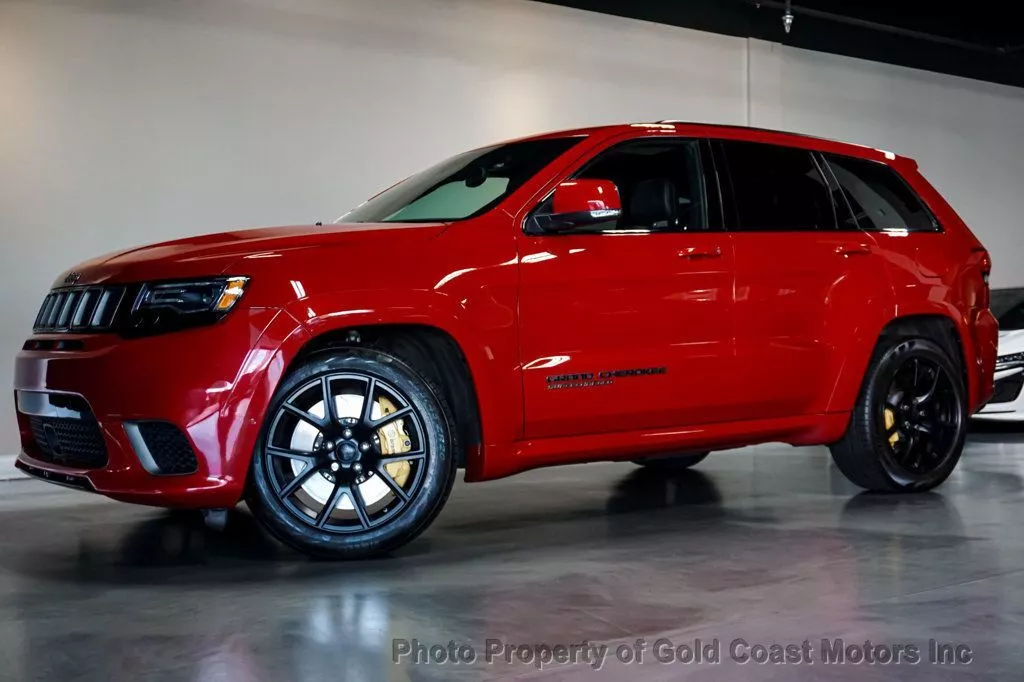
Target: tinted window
{"x":660,"y":184}
{"x":777,"y":188}
{"x":463,"y":186}
{"x":878,"y":196}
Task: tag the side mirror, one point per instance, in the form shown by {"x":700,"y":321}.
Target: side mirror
{"x":579,"y":203}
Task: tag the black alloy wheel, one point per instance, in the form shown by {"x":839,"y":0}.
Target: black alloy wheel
{"x":908,"y":427}
{"x":356,"y":456}
{"x":922,"y":417}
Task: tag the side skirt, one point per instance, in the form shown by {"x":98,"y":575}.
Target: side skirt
{"x":814,"y":429}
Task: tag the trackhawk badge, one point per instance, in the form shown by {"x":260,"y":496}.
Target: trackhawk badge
{"x":72,"y":278}
{"x":602,"y":378}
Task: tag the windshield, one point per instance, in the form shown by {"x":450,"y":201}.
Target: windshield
{"x":462,"y":187}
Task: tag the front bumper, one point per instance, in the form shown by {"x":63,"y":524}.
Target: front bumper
{"x":212,"y":383}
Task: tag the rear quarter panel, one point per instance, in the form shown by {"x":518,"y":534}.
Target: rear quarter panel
{"x":941,"y":273}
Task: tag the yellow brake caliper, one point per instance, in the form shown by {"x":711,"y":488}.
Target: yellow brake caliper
{"x":394,"y":441}
{"x":890,"y":419}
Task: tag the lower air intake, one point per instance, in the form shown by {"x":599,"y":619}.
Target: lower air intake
{"x":165,"y":450}
{"x":70,"y":442}
{"x":1007,"y":390}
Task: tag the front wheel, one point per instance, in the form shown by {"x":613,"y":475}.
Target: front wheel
{"x":907,"y":430}
{"x":356,"y":456}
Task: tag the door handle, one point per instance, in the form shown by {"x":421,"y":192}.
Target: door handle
{"x":694,"y":252}
{"x":847,"y":250}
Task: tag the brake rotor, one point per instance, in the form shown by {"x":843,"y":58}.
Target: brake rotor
{"x":392,"y":439}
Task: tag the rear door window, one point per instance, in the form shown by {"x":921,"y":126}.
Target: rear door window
{"x":777,"y":188}
{"x":879,"y":198}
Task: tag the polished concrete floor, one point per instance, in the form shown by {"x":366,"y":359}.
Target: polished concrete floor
{"x":765,"y":544}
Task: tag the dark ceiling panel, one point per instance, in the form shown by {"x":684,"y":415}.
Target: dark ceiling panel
{"x":982,"y":39}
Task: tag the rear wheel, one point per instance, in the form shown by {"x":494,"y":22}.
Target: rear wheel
{"x":356,"y":456}
{"x":907,"y":430}
{"x":672,"y":463}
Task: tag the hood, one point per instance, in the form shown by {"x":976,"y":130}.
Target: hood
{"x":1011,"y":341}
{"x":213,"y":254}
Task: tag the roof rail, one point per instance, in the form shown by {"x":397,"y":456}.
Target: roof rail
{"x":669,"y":121}
{"x":744,"y":127}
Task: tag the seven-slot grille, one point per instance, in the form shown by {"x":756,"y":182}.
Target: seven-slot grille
{"x":85,"y":309}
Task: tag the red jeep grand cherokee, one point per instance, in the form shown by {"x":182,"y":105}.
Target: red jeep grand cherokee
{"x":637,"y":292}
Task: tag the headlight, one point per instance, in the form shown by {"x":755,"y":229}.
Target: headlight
{"x":1009,"y":361}
{"x":169,"y":306}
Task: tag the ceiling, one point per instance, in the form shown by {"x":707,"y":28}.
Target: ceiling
{"x":982,"y":39}
{"x":989,"y":24}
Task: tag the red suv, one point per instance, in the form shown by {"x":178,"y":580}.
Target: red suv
{"x":638,"y":292}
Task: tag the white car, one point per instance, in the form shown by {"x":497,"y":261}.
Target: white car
{"x":1007,"y":403}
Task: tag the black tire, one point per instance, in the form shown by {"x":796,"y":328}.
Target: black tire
{"x":881,"y":457}
{"x":296,"y":521}
{"x":672,"y":463}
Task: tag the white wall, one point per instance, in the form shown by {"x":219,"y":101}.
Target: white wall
{"x":968,"y":136}
{"x":128,"y":122}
